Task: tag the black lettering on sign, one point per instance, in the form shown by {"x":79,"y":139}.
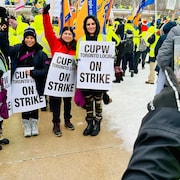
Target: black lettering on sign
{"x":64,"y":77}
{"x":95,"y":66}
{"x":28,"y":90}
{"x":95,"y":78}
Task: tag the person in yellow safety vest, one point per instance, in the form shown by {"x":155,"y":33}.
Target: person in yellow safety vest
{"x":16,"y":30}
{"x":110,"y":31}
{"x":39,"y":28}
{"x":152,"y":59}
{"x":137,"y":52}
{"x":136,"y":39}
{"x":12,"y":2}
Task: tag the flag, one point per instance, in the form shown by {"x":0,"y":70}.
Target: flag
{"x":92,"y":7}
{"x":20,"y":5}
{"x":81,"y":14}
{"x":67,"y":13}
{"x":102,"y":7}
{"x":143,"y":4}
{"x":148,"y":2}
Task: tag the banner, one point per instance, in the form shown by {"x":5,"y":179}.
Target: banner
{"x":24,"y":94}
{"x":92,"y":7}
{"x":96,"y":65}
{"x":61,"y":78}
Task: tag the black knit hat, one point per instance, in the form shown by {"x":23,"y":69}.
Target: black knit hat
{"x":29,"y":32}
{"x":68,"y":28}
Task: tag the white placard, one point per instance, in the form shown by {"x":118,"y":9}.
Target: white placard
{"x":171,"y":4}
{"x":24,"y":93}
{"x":61,"y":78}
{"x":95,"y":65}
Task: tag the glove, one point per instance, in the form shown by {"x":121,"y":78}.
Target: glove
{"x":169,"y":95}
{"x":46,"y":9}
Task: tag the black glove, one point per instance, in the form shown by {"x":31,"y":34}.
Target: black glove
{"x":46,"y":9}
{"x":169,"y":95}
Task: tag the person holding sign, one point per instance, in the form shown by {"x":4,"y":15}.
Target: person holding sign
{"x":29,"y":55}
{"x":92,"y":96}
{"x":66,"y":45}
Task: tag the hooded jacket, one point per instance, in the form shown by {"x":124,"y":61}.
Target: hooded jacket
{"x":165,"y":55}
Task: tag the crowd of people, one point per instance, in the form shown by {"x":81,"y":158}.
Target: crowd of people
{"x":34,"y":47}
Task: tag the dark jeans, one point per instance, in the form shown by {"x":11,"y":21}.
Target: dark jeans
{"x":136,"y":60}
{"x":56,"y":108}
{"x":128,"y":59}
{"x":31,"y":114}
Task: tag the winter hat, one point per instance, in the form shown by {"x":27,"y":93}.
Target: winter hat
{"x":68,"y":28}
{"x":169,"y":97}
{"x":29,"y":32}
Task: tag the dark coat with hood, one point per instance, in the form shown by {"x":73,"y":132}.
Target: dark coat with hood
{"x":166,"y":28}
{"x":156,"y":154}
{"x":39,"y":61}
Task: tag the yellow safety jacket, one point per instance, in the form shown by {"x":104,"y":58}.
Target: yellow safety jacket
{"x":152,"y":46}
{"x":112,"y":35}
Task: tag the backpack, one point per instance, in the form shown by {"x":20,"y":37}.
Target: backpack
{"x":152,"y":38}
{"x":142,"y":45}
{"x":122,"y":48}
{"x":129,"y":45}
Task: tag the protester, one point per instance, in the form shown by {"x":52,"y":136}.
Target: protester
{"x":4,"y":44}
{"x":164,"y":30}
{"x":152,"y":40}
{"x":4,"y":27}
{"x":29,"y":54}
{"x":3,"y":100}
{"x":67,"y":45}
{"x":165,"y":55}
{"x":157,"y":147}
{"x":92,"y":33}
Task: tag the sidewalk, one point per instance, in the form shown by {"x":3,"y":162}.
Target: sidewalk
{"x":70,"y":157}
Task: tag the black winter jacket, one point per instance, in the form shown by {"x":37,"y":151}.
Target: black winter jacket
{"x":41,"y":65}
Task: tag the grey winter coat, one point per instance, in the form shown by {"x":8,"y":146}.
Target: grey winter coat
{"x":165,"y":55}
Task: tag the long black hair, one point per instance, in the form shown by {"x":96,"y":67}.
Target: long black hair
{"x":97,"y":26}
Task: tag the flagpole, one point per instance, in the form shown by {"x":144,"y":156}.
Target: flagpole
{"x":155,"y":11}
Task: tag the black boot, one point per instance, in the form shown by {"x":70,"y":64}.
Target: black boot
{"x":57,"y":130}
{"x":2,"y":139}
{"x":96,"y":128}
{"x":117,"y":80}
{"x":89,"y":128}
{"x":0,"y":147}
{"x":68,"y":124}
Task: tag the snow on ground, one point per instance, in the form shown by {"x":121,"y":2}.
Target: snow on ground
{"x":129,"y":106}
